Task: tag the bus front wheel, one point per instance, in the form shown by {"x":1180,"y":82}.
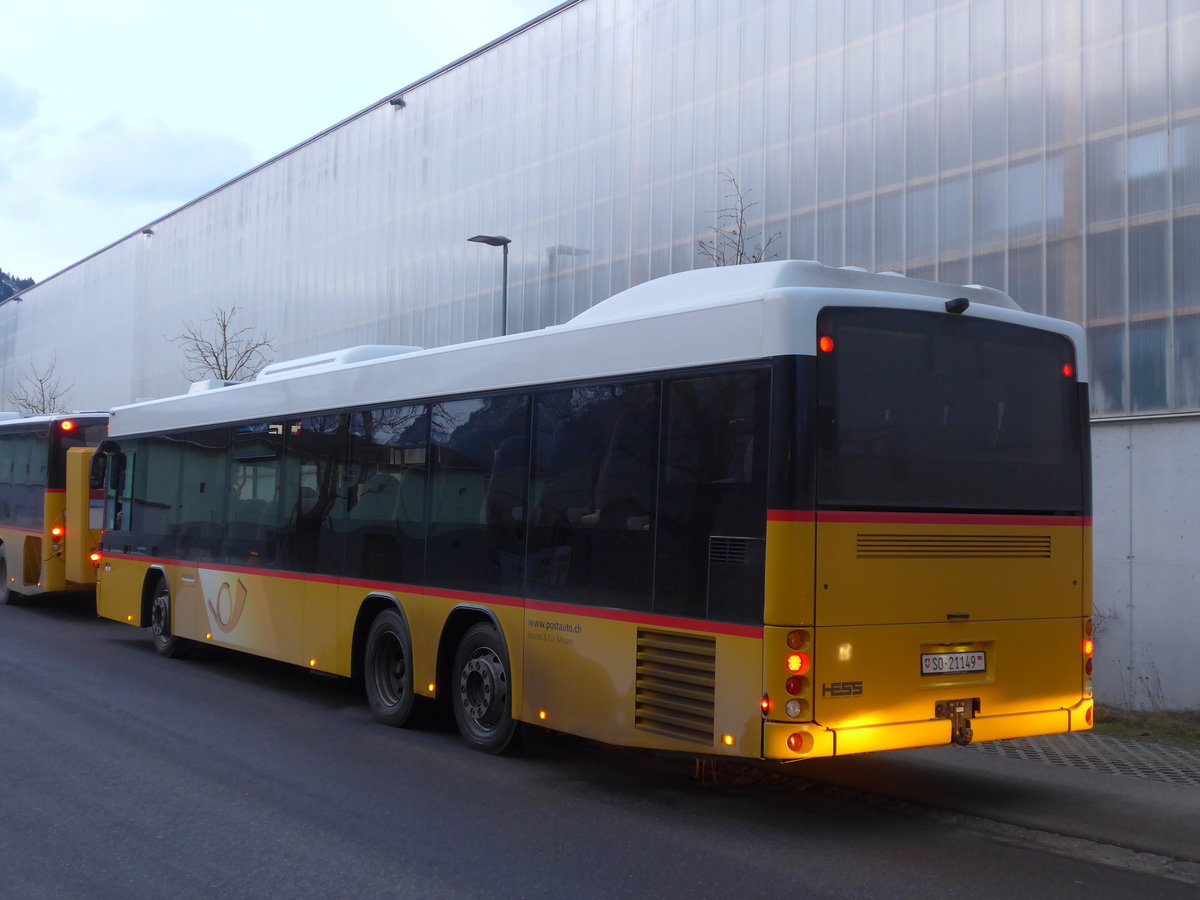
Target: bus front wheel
{"x":481,"y":690}
{"x":165,"y":643}
{"x":388,"y":669}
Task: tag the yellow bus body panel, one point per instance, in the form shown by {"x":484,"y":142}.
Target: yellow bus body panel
{"x":119,"y":591}
{"x":610,"y":676}
{"x":872,"y":573}
{"x":789,"y":572}
{"x":82,"y":518}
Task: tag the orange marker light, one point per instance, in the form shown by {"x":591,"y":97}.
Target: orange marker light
{"x":825,"y":344}
{"x":542,"y":714}
{"x":1089,"y":646}
{"x":66,"y":425}
{"x":765,"y":704}
{"x":728,"y":740}
{"x":56,"y":531}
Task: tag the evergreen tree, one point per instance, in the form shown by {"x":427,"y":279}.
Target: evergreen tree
{"x":10,"y":284}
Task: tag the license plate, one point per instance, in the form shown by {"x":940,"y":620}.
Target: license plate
{"x":953,"y":663}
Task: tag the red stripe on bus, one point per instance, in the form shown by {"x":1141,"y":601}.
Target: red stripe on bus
{"x":470,"y":597}
{"x":637,"y":618}
{"x":869,"y":518}
{"x":791,"y":515}
{"x":56,"y":490}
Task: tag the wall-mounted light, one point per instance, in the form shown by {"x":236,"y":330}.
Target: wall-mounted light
{"x":148,"y":232}
{"x":398,"y":102}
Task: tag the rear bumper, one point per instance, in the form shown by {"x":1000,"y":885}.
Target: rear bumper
{"x":815,"y":741}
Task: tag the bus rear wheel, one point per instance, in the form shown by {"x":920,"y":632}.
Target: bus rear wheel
{"x":167,"y":644}
{"x":480,"y":692}
{"x":387,"y":669}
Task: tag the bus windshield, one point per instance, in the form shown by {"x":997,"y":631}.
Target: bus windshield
{"x":927,"y":411}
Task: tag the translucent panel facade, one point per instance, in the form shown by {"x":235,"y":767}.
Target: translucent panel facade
{"x":1050,"y":148}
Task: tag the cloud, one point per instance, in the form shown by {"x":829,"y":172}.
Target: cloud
{"x":18,"y":104}
{"x":116,"y":162}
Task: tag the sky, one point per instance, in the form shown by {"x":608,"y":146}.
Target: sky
{"x":113,"y":114}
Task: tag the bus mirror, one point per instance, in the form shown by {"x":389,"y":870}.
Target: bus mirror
{"x":98,"y":471}
{"x":99,"y":468}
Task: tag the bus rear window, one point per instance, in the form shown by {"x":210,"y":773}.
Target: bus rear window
{"x":928,"y":411}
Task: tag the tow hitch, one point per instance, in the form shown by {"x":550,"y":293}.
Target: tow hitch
{"x":960,"y":713}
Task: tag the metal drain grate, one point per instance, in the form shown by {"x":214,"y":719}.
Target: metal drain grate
{"x":1103,"y":753}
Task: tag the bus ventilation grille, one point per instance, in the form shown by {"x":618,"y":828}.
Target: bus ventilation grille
{"x":732,"y":550}
{"x":675,"y":689}
{"x":953,"y":546}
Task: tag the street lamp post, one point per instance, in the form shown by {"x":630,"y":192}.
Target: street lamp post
{"x":498,"y":240}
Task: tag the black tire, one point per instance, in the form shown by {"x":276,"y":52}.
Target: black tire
{"x":481,"y":692}
{"x":387,"y":669}
{"x":165,"y":643}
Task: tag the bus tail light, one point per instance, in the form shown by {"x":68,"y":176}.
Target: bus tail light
{"x":1088,"y":648}
{"x":798,"y":663}
{"x":792,"y":680}
{"x":94,"y":556}
{"x":765,"y":704}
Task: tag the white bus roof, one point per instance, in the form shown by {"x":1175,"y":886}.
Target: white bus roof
{"x":703,"y":317}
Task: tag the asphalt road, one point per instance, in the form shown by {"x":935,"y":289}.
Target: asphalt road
{"x":126,"y":775}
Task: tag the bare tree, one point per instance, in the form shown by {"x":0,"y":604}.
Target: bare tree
{"x":731,"y":243}
{"x":41,"y":392}
{"x":217,"y":348}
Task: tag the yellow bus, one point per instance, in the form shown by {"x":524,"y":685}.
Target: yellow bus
{"x":769,"y":511}
{"x":49,"y":520}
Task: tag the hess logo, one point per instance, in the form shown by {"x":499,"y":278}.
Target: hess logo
{"x":229,"y":605}
{"x":842,"y":689}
